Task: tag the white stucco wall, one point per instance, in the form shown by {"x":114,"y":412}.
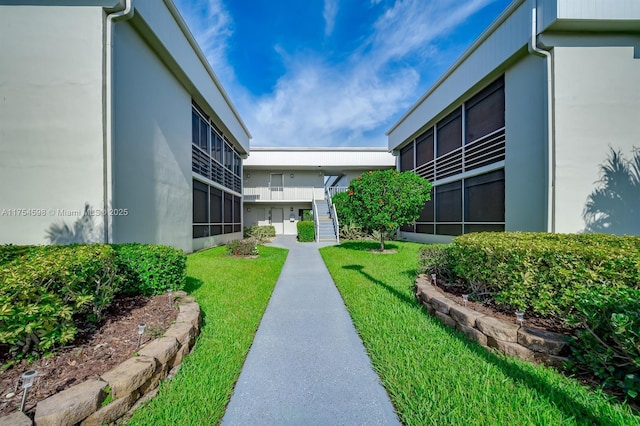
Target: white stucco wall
{"x":51,"y":131}
{"x":258,"y":214}
{"x":152,"y":147}
{"x":597,"y":103}
{"x":301,"y":178}
{"x":526,"y":146}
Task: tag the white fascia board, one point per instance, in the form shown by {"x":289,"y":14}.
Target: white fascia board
{"x":318,"y":158}
{"x":589,"y":15}
{"x":170,"y":29}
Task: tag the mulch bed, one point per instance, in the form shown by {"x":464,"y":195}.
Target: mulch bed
{"x":94,"y":351}
{"x":454,"y":291}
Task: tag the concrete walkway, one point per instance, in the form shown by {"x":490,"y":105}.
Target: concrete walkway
{"x":307,"y":364}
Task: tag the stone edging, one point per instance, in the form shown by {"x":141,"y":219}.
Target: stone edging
{"x":526,"y":343}
{"x":128,"y":385}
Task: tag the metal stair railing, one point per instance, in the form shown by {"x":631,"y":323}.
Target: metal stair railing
{"x":316,"y":220}
{"x":334,"y":216}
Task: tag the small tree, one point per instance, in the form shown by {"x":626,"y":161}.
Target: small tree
{"x":343,"y":207}
{"x":384,"y":200}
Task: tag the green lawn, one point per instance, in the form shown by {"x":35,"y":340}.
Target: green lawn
{"x":433,"y":374}
{"x":233,"y":294}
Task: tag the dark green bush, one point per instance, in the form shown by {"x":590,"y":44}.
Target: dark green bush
{"x":246,"y":247}
{"x":10,"y":252}
{"x":150,"y":269}
{"x":306,"y":231}
{"x":262,"y":233}
{"x":42,"y":294}
{"x":607,"y":343}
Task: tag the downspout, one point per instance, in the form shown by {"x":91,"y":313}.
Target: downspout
{"x":119,"y":15}
{"x":535,"y":49}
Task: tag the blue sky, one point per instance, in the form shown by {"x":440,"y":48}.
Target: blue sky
{"x":331,"y":72}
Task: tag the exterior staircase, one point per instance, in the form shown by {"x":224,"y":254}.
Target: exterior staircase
{"x":326,"y":230}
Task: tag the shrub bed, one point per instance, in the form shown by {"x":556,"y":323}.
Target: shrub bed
{"x":45,"y":291}
{"x":306,"y":231}
{"x":589,"y":281}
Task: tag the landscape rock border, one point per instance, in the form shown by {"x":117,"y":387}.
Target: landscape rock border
{"x":127,"y":385}
{"x":526,"y":343}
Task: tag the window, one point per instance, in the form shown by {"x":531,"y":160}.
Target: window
{"x":484,"y":202}
{"x":237,"y":214}
{"x":449,"y":208}
{"x":406,"y":158}
{"x":215,"y":205}
{"x":484,"y":112}
{"x":450,"y":133}
{"x":219,"y":162}
{"x":425,"y":223}
{"x":216,"y":146}
{"x":215,"y":212}
{"x":424,"y":148}
{"x":228,"y":213}
{"x":473,"y":204}
{"x":199,"y":131}
{"x":200,"y":207}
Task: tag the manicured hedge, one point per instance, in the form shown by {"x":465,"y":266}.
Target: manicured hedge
{"x":544,"y":273}
{"x":590,"y":281}
{"x":151,"y":269}
{"x":306,"y":231}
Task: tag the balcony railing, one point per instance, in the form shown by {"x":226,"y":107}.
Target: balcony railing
{"x":279,"y":193}
{"x":336,"y":189}
{"x":481,"y":152}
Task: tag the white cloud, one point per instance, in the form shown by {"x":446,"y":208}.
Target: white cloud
{"x":329,"y":14}
{"x":320,"y":106}
{"x":411,"y":26}
{"x":212,"y":27}
{"x":316,"y":103}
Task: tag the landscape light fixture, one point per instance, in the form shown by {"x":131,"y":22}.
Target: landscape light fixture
{"x":465,"y":299}
{"x":433,"y":279}
{"x":170,"y":294}
{"x":520,"y":317}
{"x":27,"y":381}
{"x":141,"y":327}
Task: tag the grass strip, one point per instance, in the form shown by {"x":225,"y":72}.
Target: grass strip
{"x":233,"y":294}
{"x":434,"y":374}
